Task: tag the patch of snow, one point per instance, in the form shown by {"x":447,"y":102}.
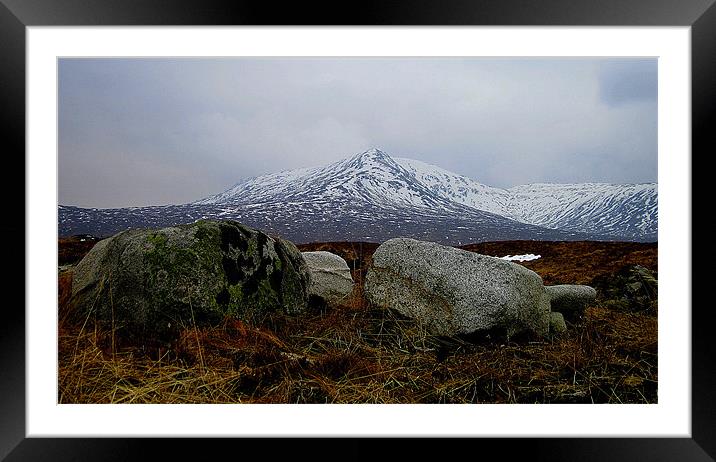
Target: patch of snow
{"x":525,"y":257}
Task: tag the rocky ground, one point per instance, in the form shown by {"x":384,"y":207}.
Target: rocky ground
{"x":356,"y":353}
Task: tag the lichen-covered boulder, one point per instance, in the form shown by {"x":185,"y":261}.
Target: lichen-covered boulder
{"x":152,"y":283}
{"x":331,"y":278}
{"x":570,"y":298}
{"x":453,"y":291}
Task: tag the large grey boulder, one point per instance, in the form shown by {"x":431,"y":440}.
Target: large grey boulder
{"x":570,"y":298}
{"x":330,"y":276}
{"x":151,"y":283}
{"x":453,"y":291}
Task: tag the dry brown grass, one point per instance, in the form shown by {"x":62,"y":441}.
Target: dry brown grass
{"x":72,"y":249}
{"x":355,"y":353}
{"x":577,"y":262}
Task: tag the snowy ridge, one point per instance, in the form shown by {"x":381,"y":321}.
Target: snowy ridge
{"x":256,"y":185}
{"x":460,"y":188}
{"x":629,"y":211}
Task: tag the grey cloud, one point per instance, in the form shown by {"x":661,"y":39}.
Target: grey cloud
{"x":624,"y":81}
{"x":153,"y":131}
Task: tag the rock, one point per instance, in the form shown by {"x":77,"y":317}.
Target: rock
{"x":632,"y":288}
{"x":570,"y":298}
{"x":453,"y":291}
{"x":152,"y":283}
{"x":330,"y":276}
{"x":557,"y":325}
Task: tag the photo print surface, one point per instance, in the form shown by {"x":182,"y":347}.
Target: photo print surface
{"x":357,"y":230}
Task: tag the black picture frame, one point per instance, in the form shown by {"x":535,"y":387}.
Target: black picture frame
{"x":16,"y":15}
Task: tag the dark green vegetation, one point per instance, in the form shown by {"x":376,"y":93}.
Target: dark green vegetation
{"x":355,"y":353}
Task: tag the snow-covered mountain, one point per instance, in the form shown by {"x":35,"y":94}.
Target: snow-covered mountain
{"x":628,"y":211}
{"x":371,"y":177}
{"x":373,"y":197}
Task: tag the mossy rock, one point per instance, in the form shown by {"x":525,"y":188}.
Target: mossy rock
{"x":149,"y":284}
{"x":632,"y":288}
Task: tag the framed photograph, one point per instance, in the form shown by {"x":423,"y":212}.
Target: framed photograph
{"x":385,"y":83}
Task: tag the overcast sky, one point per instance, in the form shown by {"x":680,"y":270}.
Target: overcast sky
{"x":158,"y":131}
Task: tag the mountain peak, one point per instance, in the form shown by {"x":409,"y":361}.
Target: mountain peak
{"x":374,"y":151}
{"x":372,"y":157}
